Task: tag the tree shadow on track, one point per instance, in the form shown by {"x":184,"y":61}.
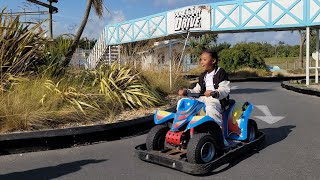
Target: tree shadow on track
{"x":50,"y":172}
{"x":249,"y":91}
{"x":272,"y":136}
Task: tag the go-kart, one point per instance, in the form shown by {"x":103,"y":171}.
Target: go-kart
{"x":190,"y":141}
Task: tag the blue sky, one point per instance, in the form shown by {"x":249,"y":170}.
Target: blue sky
{"x":71,"y":12}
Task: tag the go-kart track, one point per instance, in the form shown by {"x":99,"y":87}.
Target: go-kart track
{"x":289,"y":121}
{"x":290,"y":150}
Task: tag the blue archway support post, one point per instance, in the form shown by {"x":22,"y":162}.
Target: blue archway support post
{"x":308,"y":56}
{"x":317,"y":59}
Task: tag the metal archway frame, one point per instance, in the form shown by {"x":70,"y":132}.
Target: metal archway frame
{"x":221,"y":17}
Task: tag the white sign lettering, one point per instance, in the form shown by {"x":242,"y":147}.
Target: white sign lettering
{"x":190,"y":18}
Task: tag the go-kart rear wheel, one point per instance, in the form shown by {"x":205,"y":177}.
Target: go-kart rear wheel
{"x":156,"y":137}
{"x":202,"y":148}
{"x":252,"y":130}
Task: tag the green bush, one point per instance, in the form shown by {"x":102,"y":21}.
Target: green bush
{"x":51,"y":64}
{"x":240,"y":56}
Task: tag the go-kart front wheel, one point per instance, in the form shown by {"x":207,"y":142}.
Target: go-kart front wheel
{"x":202,"y":148}
{"x":156,"y":137}
{"x":252,"y":130}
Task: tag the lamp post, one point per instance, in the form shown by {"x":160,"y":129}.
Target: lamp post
{"x":51,"y":9}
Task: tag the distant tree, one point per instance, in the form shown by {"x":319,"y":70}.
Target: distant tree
{"x":85,"y":43}
{"x":221,"y":46}
{"x":241,"y":55}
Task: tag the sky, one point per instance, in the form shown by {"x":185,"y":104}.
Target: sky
{"x":70,"y":15}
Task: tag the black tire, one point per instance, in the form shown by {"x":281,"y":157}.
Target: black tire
{"x":196,"y":148}
{"x":252,"y":131}
{"x":156,"y":137}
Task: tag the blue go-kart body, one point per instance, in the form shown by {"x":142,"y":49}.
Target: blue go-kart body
{"x":190,"y":141}
{"x":192,"y":113}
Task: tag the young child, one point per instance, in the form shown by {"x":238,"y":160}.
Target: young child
{"x":213,"y":83}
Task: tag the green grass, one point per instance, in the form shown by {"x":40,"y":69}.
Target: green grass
{"x":289,"y":63}
{"x":280,"y":60}
{"x":250,"y":72}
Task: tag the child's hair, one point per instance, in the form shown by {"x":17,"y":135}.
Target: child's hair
{"x":212,"y":53}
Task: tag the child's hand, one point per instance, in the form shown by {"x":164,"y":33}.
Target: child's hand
{"x":208,"y":93}
{"x":182,"y":92}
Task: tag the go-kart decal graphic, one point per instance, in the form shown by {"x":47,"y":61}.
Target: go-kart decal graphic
{"x":178,"y":124}
{"x":185,"y":109}
{"x":195,"y":119}
{"x":234,"y":119}
{"x":162,"y":116}
{"x":238,"y":120}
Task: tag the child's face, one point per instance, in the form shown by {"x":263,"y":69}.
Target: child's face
{"x":206,"y":61}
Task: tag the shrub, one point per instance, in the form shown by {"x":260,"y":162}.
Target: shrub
{"x":236,"y":58}
{"x":20,"y":46}
{"x":125,"y":87}
{"x":33,"y":104}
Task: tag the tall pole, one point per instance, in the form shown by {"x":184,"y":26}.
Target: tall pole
{"x":39,"y":15}
{"x":317,"y":59}
{"x":307,"y":56}
{"x":119,"y":58}
{"x":50,"y":21}
{"x":25,"y":16}
{"x":109,"y":55}
{"x":182,"y":53}
{"x":170,"y":65}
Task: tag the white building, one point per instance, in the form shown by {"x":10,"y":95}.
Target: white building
{"x":158,"y":56}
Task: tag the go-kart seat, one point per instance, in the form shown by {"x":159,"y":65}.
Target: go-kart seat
{"x":230,"y":102}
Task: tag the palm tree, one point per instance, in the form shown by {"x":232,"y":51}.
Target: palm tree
{"x":199,"y":43}
{"x":98,"y":8}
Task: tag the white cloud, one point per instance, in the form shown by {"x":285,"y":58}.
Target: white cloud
{"x":95,"y":25}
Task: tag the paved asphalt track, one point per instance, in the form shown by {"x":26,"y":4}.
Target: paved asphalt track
{"x":291,"y":150}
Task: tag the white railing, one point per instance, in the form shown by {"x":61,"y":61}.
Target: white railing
{"x":102,"y":52}
{"x":98,"y":51}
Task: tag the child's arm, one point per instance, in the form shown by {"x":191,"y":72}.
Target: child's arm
{"x":184,"y":92}
{"x":224,"y":90}
{"x":196,"y":89}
